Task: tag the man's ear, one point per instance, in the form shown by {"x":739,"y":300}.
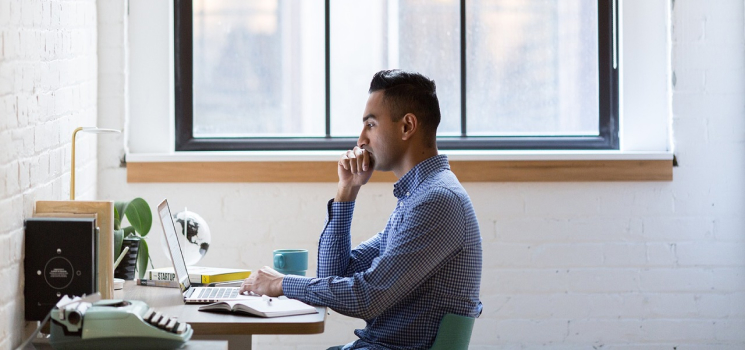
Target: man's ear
{"x":409,"y":126}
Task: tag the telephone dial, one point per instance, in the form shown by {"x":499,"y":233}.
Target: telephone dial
{"x":115,"y":324}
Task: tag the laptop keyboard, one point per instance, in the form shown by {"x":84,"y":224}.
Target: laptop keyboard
{"x":217,"y":293}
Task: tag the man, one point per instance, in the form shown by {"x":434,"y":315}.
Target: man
{"x":427,"y":261}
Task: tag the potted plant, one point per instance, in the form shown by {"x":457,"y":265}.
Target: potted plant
{"x":140,"y":218}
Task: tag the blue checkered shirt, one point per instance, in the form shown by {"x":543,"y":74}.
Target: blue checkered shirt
{"x":426,"y":263}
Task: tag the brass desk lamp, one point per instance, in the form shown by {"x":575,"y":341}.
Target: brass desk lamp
{"x":90,"y":129}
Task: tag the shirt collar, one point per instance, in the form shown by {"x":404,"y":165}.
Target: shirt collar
{"x":417,"y":174}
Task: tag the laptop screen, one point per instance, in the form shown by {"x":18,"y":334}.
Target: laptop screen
{"x":169,"y":229}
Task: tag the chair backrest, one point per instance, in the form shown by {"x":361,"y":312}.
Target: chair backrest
{"x":454,"y":333}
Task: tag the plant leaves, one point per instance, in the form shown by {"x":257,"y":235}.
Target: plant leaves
{"x":119,"y":208}
{"x":139,"y":216}
{"x":129,"y":231}
{"x":142,"y":258}
{"x":118,"y":239}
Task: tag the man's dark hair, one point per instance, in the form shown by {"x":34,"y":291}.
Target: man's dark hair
{"x":409,"y":92}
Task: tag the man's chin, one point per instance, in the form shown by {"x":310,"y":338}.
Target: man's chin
{"x":373,"y":162}
{"x":380,"y":167}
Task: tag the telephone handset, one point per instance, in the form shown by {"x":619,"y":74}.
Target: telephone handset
{"x":115,"y":324}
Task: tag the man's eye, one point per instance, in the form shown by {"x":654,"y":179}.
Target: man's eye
{"x":369,"y":125}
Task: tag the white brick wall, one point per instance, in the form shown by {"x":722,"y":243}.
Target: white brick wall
{"x":47,"y":88}
{"x":655,"y":265}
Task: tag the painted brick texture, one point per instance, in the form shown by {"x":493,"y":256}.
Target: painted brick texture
{"x":47,"y":88}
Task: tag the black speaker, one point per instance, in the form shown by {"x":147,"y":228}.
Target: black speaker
{"x":60,"y":260}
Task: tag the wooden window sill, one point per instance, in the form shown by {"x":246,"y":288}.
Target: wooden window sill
{"x":201,"y":171}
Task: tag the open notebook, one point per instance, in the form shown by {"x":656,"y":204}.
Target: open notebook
{"x":262,"y":306}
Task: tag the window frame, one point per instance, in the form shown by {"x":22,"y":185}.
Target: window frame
{"x":608,"y":88}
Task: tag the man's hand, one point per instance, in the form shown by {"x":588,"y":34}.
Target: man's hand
{"x":266,"y":281}
{"x":355,"y":168}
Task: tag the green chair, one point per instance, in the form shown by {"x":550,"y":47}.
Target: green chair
{"x":454,"y":333}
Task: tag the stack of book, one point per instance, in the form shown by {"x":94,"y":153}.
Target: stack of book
{"x":199,"y":274}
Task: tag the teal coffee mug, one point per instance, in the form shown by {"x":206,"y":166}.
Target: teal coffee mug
{"x":291,"y":261}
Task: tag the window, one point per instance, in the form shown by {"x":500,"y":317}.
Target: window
{"x":294,"y":74}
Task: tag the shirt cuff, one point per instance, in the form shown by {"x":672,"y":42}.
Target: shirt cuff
{"x":340,"y":210}
{"x":294,"y":287}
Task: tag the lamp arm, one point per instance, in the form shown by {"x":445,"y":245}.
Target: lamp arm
{"x":72,"y":165}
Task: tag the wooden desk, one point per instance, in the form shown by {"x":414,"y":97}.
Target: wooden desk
{"x":43,"y":344}
{"x":218,"y":326}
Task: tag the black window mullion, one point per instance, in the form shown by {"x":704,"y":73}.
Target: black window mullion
{"x":463,"y":130}
{"x":608,"y":122}
{"x":327,"y":10}
{"x":183,"y":43}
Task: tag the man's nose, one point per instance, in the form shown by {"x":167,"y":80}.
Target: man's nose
{"x":362,"y":140}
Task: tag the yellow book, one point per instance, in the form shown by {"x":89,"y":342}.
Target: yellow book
{"x":225,"y":276}
{"x":199,"y":274}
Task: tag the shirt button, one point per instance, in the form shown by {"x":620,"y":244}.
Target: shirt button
{"x":408,"y":194}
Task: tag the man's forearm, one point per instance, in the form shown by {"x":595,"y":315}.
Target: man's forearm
{"x":346,"y":194}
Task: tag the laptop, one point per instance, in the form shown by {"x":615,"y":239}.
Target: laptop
{"x":192,"y":294}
